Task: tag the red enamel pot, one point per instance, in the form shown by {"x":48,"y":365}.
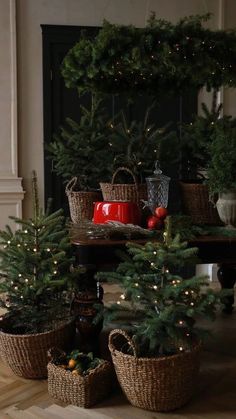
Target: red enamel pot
{"x":122,"y":211}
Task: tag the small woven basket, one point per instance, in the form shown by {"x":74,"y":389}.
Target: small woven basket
{"x":133,"y":192}
{"x":82,"y":391}
{"x":27,"y":356}
{"x":196,"y":204}
{"x":158,"y":384}
{"x":81,"y":203}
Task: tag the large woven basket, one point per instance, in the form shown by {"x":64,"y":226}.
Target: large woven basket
{"x":82,"y":391}
{"x":27,"y":356}
{"x":196,"y":204}
{"x":158,"y":384}
{"x":81,"y":203}
{"x":133,"y":192}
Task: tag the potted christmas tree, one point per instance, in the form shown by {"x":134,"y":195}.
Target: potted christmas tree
{"x":34,"y":270}
{"x":80,"y":156}
{"x":157,"y":364}
{"x":195,"y":138}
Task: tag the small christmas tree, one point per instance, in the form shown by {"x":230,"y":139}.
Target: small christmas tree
{"x":81,"y":149}
{"x":164,"y":306}
{"x":34,"y":269}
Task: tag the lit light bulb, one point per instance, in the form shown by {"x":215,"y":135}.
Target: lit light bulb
{"x":186,"y":293}
{"x":19,"y":275}
{"x":55,"y":262}
{"x":48,"y":250}
{"x":192,"y":304}
{"x":21,"y":297}
{"x":136,"y":284}
{"x":155,"y":287}
{"x":35,"y":250}
{"x":122,"y":296}
{"x":118,"y":302}
{"x":181,"y":348}
{"x":18,"y":245}
{"x":4,"y":247}
{"x":8,"y":242}
{"x":55,"y":272}
{"x":154,"y":252}
{"x":16,"y":288}
{"x":152,"y":264}
{"x":181,"y":322}
{"x":138,"y":296}
{"x":25,"y":231}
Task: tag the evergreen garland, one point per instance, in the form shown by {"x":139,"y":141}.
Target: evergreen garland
{"x":161,"y":57}
{"x":35,"y":270}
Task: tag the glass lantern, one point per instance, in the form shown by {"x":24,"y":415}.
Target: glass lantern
{"x":158,"y":189}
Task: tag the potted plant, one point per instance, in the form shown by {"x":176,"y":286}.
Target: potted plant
{"x":157,"y":362}
{"x":222,"y":170}
{"x":136,"y":146}
{"x":195,"y":139}
{"x":80,"y":155}
{"x":34,"y":272}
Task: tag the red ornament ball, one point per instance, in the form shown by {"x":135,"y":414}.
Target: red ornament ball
{"x":161,"y":212}
{"x":154,"y":223}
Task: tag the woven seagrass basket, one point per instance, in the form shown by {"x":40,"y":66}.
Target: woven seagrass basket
{"x":82,"y":391}
{"x":158,"y":384}
{"x":81,"y":203}
{"x":196,"y":204}
{"x":133,"y":192}
{"x":27,"y":356}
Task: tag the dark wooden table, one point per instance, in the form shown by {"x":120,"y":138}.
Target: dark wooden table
{"x":220,"y":250}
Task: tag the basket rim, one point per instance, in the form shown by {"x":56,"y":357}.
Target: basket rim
{"x":194,"y":349}
{"x":122,"y":184}
{"x":105,"y":364}
{"x":24,"y":336}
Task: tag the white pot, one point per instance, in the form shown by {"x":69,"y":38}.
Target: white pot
{"x":226,"y":206}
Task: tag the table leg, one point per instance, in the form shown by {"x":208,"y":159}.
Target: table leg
{"x":227,"y":277}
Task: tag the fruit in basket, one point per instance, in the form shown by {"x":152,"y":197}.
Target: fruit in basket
{"x":72,"y":363}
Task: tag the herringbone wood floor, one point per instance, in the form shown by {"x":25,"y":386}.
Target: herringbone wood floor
{"x":215,"y":396}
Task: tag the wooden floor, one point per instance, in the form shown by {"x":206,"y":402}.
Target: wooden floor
{"x":215,"y":397}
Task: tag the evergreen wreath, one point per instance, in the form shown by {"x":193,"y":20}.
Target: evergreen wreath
{"x":161,"y":57}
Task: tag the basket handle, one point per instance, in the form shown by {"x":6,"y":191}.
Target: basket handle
{"x":71,"y":184}
{"x":126,"y":169}
{"x":116,"y":332}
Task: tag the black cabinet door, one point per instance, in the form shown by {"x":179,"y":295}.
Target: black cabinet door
{"x":60,"y":102}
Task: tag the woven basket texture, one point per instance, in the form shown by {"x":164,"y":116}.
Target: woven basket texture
{"x":27,"y":356}
{"x":157,"y":384}
{"x":82,"y":391}
{"x":133,"y":192}
{"x":81,"y":203}
{"x":195,"y":202}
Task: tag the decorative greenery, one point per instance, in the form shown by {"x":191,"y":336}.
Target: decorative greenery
{"x":78,"y":362}
{"x":139,"y":144}
{"x":34,"y":270}
{"x":221,"y":170}
{"x":81,"y":148}
{"x":161,"y":57}
{"x":195,"y":138}
{"x":164,"y":305}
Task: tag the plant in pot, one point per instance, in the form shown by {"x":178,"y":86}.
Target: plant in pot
{"x":157,"y":362}
{"x":34,"y":270}
{"x":136,"y":146}
{"x":221,"y":171}
{"x":195,"y":156}
{"x":80,"y":156}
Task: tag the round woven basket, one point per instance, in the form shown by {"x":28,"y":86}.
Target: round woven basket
{"x":196,"y":204}
{"x":27,"y":356}
{"x":133,"y":192}
{"x":81,"y":203}
{"x":83,"y":391}
{"x":158,"y":384}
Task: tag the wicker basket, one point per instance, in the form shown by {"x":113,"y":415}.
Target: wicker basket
{"x":158,"y":384}
{"x":27,"y":356}
{"x":81,"y":203}
{"x":82,"y":391}
{"x":195,"y":201}
{"x":124,"y":191}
